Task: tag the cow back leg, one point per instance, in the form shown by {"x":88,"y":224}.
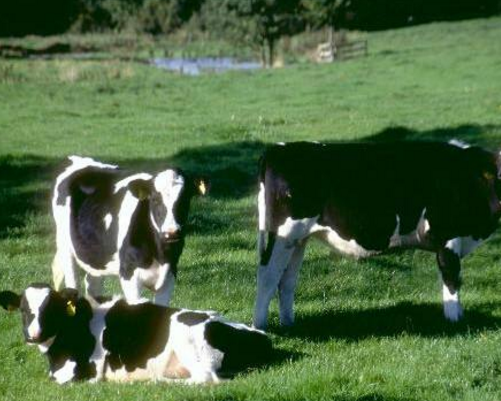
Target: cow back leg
{"x":269,"y":275}
{"x":288,"y":283}
{"x":449,"y":263}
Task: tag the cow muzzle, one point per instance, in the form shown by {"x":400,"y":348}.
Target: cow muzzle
{"x":171,"y":236}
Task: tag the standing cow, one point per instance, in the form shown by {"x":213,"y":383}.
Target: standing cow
{"x":365,"y":198}
{"x":110,"y":223}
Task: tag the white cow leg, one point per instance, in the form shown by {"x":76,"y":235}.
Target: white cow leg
{"x":268,"y":277}
{"x":165,"y":286}
{"x":132,"y":288}
{"x":63,"y":269}
{"x":288,"y":283}
{"x":94,"y":286}
{"x":450,"y":269}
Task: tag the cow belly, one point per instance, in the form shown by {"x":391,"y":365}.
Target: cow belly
{"x":109,"y":269}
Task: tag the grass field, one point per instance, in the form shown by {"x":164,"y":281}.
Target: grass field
{"x":366,"y":330}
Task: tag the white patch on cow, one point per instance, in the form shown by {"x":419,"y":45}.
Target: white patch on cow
{"x":452,"y":307}
{"x":108,"y":219}
{"x":35,"y":298}
{"x":459,"y":144}
{"x":261,"y":205}
{"x":454,"y":245}
{"x":126,"y":181}
{"x":462,"y":246}
{"x":66,"y":373}
{"x":293,"y":230}
{"x":169,"y":184}
{"x":468,"y":245}
{"x":194,"y":352}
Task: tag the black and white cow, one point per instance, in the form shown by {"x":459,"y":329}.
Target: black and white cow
{"x":368,"y":197}
{"x":117,"y":341}
{"x":111,"y":223}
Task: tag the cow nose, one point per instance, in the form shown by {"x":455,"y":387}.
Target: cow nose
{"x":172,"y":234}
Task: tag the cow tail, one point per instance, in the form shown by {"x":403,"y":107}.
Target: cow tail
{"x":262,"y":223}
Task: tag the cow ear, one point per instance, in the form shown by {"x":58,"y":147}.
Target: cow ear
{"x":202,"y":185}
{"x":141,"y":189}
{"x":70,"y":297}
{"x":10,"y":300}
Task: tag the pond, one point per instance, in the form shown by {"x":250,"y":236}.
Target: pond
{"x":197,"y":66}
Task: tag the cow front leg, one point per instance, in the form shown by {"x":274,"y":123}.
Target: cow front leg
{"x":450,"y":269}
{"x":131,"y":287}
{"x":165,"y":285}
{"x":268,"y":277}
{"x":288,"y":283}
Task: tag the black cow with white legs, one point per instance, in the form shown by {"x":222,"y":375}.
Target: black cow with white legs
{"x":111,"y":222}
{"x":117,"y":341}
{"x":364,"y":198}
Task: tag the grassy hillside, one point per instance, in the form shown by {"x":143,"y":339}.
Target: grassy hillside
{"x":366,"y":330}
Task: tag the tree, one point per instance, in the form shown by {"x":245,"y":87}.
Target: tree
{"x":260,"y":23}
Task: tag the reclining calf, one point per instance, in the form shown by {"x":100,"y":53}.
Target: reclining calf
{"x":111,"y":223}
{"x":121,"y":342}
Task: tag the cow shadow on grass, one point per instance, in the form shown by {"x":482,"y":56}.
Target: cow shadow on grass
{"x":487,"y":136}
{"x":25,"y":183}
{"x":426,"y":320}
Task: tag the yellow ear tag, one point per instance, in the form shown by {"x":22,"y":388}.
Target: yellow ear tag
{"x":488,"y":176}
{"x":71,"y":309}
{"x":202,"y":188}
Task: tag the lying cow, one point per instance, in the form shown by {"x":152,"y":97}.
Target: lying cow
{"x":112,"y":224}
{"x":365,"y":198}
{"x":120,"y":342}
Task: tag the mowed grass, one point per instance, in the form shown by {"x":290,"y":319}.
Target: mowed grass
{"x":366,"y":330}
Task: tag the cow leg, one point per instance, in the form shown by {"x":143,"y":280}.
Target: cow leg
{"x":288,"y":283}
{"x":63,"y":269}
{"x":131,"y":287}
{"x":94,"y":286}
{"x":448,"y":259}
{"x":165,"y":285}
{"x":268,"y":276}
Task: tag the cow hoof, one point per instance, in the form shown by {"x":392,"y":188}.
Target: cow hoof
{"x":453,"y":311}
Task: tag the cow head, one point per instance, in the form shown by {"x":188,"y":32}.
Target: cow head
{"x":168,"y":194}
{"x":43,"y":310}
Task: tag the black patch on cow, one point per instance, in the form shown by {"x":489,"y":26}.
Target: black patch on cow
{"x":139,"y":248}
{"x":358,"y":189}
{"x":92,"y":197}
{"x":265,"y":257}
{"x":135,"y":333}
{"x":74,"y":340}
{"x":192,"y":318}
{"x":450,"y":267}
{"x":241,"y":348}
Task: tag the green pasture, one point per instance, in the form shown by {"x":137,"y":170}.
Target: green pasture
{"x":366,"y":330}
